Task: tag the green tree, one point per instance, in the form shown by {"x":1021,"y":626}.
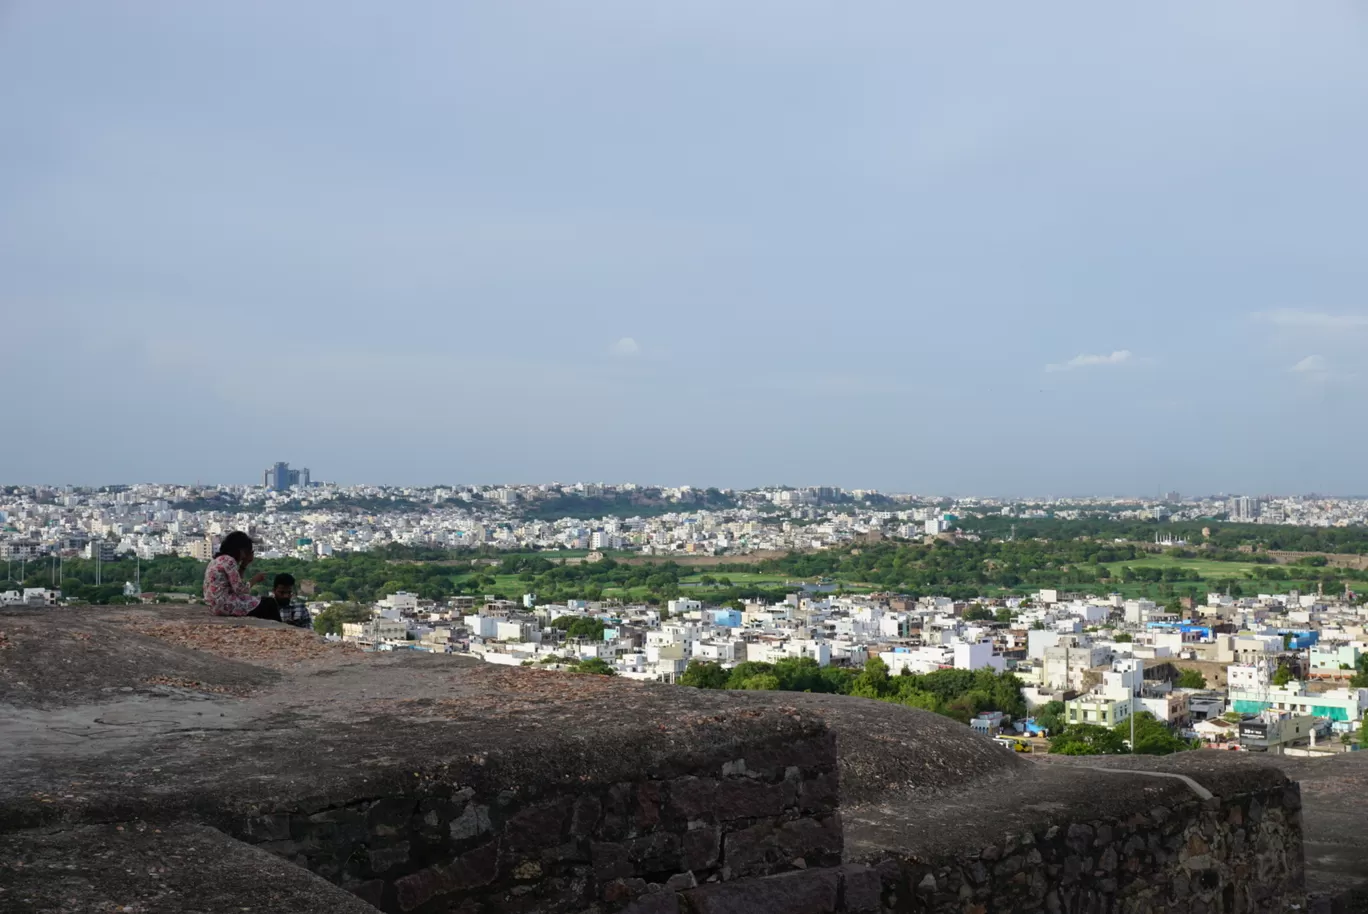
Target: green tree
{"x":967,"y":706}
{"x":979,"y":613}
{"x":1124,"y":638}
{"x":580,"y":627}
{"x":1152,"y":737}
{"x":330,"y":620}
{"x":873,"y":682}
{"x":1051,"y":716}
{"x":1004,"y":615}
{"x":1086,"y":739}
{"x":916,"y":698}
{"x":1283,"y":675}
{"x":764,"y":682}
{"x":1360,"y":678}
{"x":836,"y":680}
{"x":747,"y":670}
{"x":704,"y":675}
{"x":799,"y":674}
{"x":595,"y":665}
{"x":1191,"y":679}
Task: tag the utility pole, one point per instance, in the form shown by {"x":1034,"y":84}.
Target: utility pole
{"x":1132,"y":716}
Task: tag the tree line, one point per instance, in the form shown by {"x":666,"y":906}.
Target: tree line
{"x":963,"y":569}
{"x":1224,"y":535}
{"x":960,"y":694}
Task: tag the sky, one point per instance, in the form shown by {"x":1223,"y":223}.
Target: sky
{"x":1064,"y":248}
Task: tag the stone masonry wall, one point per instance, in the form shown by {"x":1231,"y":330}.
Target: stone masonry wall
{"x":572,"y":847}
{"x":1242,"y":855}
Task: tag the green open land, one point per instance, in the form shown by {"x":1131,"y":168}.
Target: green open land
{"x":743,"y":577}
{"x":512,"y":586}
{"x":1252,"y":577}
{"x":963,"y":569}
{"x":1203,"y":568}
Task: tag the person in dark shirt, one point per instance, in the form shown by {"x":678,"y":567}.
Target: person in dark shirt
{"x":292,"y":611}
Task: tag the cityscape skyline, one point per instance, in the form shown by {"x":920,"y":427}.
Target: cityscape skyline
{"x":281,"y":476}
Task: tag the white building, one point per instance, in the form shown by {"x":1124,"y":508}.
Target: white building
{"x":977,"y":655}
{"x":527,"y":632}
{"x":29,"y":596}
{"x":683,"y":606}
{"x":1138,"y":612}
{"x":402,"y":602}
{"x":376,"y":630}
{"x":483,"y":626}
{"x":919,"y":661}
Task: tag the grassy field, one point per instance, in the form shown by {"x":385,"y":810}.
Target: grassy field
{"x":742,"y":578}
{"x":1204,"y":572}
{"x":1204,"y":568}
{"x":510,"y":586}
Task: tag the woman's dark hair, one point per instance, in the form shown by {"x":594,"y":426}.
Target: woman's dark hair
{"x":234,"y":544}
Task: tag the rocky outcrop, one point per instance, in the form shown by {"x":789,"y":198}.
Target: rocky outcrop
{"x":417,"y":784}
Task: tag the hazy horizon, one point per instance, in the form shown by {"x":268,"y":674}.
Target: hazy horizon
{"x":1021,"y":497}
{"x":908,"y":247}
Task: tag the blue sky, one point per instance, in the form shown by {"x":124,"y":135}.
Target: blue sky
{"x":1055,"y":248}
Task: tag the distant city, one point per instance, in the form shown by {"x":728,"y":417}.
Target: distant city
{"x":1233,"y":621}
{"x":292,"y":514}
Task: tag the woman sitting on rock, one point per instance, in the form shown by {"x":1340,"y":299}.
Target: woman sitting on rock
{"x":225,"y":591}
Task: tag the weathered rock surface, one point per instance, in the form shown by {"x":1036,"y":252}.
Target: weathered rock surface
{"x":180,"y":869}
{"x":428,"y":783}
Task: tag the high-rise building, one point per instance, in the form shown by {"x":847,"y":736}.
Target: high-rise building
{"x":280,"y":477}
{"x":203,"y":548}
{"x":1242,"y":508}
{"x":101,"y":549}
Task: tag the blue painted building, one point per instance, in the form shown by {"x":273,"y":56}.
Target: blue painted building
{"x":729,"y":618}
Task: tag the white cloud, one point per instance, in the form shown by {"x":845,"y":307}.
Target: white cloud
{"x":1088,"y":361}
{"x":625,"y":346}
{"x":1314,"y":320}
{"x":1312,"y":364}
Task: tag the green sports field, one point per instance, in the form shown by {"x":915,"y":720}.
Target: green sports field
{"x":1203,"y":568}
{"x":740,"y":579}
{"x":1206,"y":573}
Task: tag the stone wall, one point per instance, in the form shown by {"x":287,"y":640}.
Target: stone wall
{"x":1241,"y":855}
{"x":764,"y":837}
{"x":1236,"y":854}
{"x":426,"y":784}
{"x":570,"y":847}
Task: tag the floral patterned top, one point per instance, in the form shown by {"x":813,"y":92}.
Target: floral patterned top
{"x":225,"y":591}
